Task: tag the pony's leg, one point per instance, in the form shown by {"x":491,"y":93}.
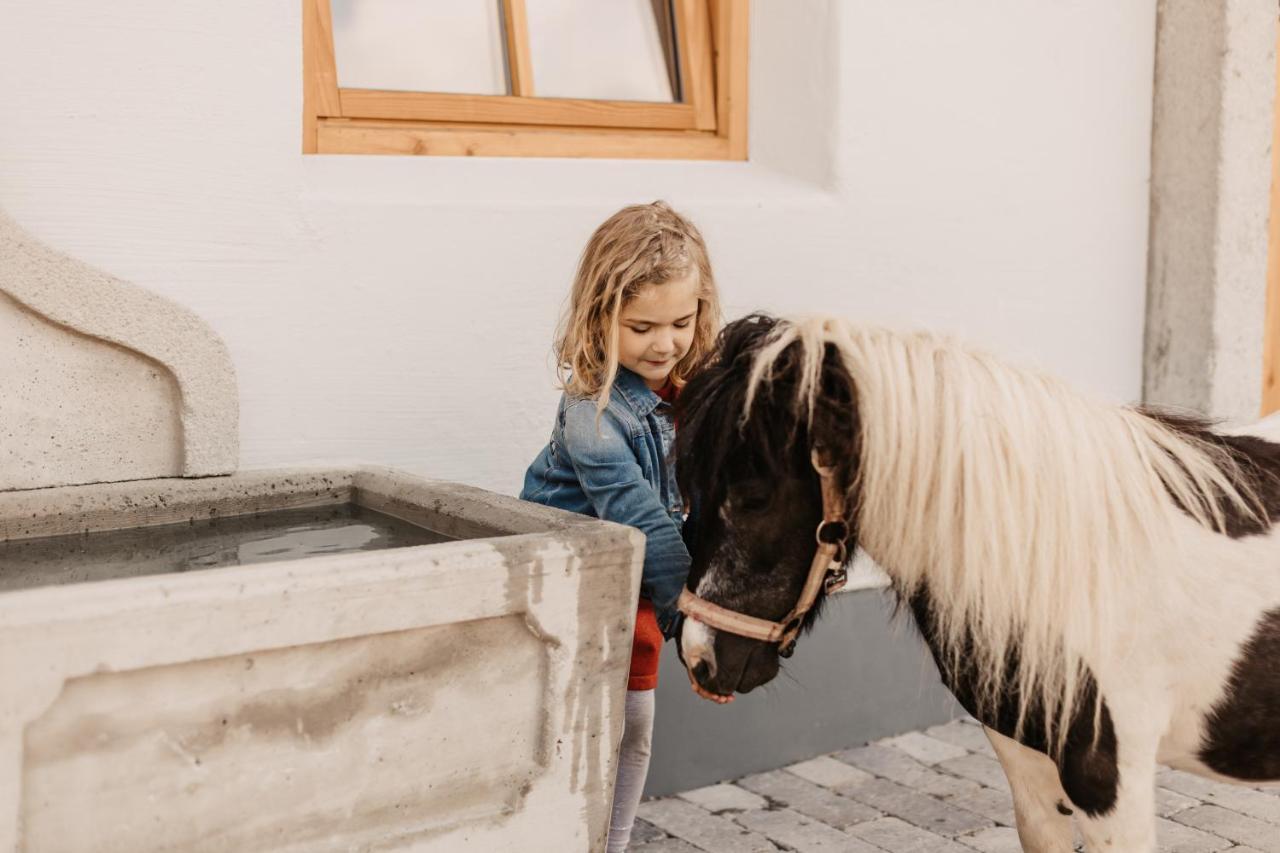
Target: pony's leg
{"x":1039,"y":803}
{"x":1131,"y":825}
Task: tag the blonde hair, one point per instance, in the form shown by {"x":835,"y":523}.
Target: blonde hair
{"x":639,"y":245}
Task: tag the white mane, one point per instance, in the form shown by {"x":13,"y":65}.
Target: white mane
{"x":1037,"y":518}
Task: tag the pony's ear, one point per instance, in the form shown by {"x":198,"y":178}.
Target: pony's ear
{"x":834,"y":431}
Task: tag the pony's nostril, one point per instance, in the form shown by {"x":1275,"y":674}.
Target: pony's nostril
{"x":701,"y":672}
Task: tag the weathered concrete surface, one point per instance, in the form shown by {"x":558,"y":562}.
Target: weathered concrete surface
{"x":1210,"y":165}
{"x":463,"y":695}
{"x":102,"y":380}
{"x":57,"y":424}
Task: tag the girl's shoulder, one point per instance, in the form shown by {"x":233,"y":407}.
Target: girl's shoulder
{"x":588,"y":429}
{"x":587,"y":408}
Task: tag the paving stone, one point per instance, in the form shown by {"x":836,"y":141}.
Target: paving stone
{"x":997,"y":839}
{"x":664,"y":845}
{"x":918,"y":809}
{"x":1237,"y":798}
{"x":829,"y":773}
{"x":963,"y":734}
{"x":1232,"y":825}
{"x":723,"y":797}
{"x":898,"y":836}
{"x":701,"y":828}
{"x":642,"y":832}
{"x":1170,"y":803}
{"x":1175,"y":838}
{"x":794,"y":831}
{"x":923,"y":748}
{"x":995,"y":805}
{"x":901,"y":768}
{"x":985,"y":771}
{"x":809,"y":799}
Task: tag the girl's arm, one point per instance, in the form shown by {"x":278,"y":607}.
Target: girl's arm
{"x":601,"y":454}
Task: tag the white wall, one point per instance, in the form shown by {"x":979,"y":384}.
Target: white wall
{"x":980,"y":167}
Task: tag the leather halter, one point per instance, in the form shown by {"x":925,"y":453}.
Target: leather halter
{"x":825,"y":572}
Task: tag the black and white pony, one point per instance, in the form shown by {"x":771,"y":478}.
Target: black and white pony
{"x":1100,"y":586}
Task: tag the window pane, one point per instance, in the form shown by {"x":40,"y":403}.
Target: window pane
{"x":608,"y":49}
{"x":420,"y":45}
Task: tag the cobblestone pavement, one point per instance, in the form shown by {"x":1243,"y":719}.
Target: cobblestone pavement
{"x":936,"y":790}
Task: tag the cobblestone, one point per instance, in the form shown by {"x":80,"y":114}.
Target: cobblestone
{"x":995,"y":805}
{"x":1231,"y":825}
{"x":829,"y":773}
{"x":962,"y":734}
{"x":796,"y":832}
{"x":997,"y":839}
{"x":1233,"y":797}
{"x":898,"y":836}
{"x":925,"y":749}
{"x":1175,"y":838}
{"x":1169,"y":803}
{"x":978,"y":768}
{"x":936,"y":791}
{"x":643,"y":831}
{"x":701,"y":828}
{"x":720,"y":798}
{"x":808,"y":799}
{"x":901,"y":768}
{"x":919,"y":809}
{"x":665,"y":845}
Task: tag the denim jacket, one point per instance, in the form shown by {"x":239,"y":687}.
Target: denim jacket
{"x":616,"y":468}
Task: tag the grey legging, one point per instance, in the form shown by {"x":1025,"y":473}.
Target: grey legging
{"x":633,"y":767}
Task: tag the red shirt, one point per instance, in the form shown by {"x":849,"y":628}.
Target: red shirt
{"x":646,"y":649}
{"x":646,"y":646}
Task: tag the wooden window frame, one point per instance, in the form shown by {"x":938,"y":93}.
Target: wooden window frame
{"x":1271,"y":316}
{"x":710,"y":124}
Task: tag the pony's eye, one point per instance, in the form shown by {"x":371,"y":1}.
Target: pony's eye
{"x":752,"y":502}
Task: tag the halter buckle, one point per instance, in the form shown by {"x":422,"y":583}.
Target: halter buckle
{"x":831,"y":531}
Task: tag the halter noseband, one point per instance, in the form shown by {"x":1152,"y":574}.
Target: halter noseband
{"x":825,"y":572}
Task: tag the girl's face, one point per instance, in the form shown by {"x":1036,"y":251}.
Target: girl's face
{"x":656,"y":328}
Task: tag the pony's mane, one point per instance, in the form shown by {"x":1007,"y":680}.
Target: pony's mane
{"x":1035,"y":518}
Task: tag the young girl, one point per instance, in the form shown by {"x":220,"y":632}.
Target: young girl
{"x":643,"y":310}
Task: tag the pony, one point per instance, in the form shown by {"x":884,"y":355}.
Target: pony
{"x":1099,"y":585}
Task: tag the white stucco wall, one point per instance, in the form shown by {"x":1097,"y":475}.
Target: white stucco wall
{"x":980,"y":167}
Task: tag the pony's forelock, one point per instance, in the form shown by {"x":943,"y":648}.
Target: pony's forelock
{"x":711,"y":407}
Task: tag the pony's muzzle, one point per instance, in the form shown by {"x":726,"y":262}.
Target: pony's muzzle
{"x":698,"y":646}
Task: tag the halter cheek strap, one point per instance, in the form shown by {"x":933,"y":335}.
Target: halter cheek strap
{"x":826,"y":572}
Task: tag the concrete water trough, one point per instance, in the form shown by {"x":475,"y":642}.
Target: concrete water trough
{"x":324,"y":660}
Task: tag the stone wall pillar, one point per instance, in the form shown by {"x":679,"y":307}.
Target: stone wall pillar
{"x":1215,"y":83}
